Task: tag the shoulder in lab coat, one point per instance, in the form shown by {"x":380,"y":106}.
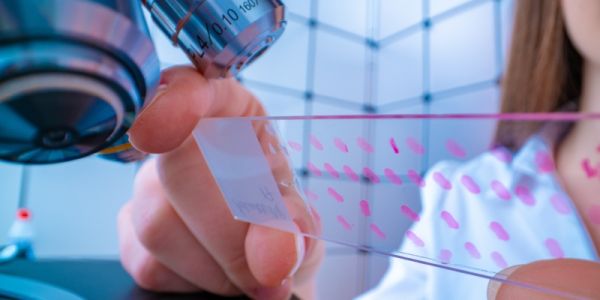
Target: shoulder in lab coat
{"x":508,"y":211}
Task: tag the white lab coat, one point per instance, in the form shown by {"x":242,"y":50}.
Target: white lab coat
{"x":542,"y":230}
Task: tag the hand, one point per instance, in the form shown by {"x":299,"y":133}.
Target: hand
{"x":177,"y":234}
{"x":575,"y":278}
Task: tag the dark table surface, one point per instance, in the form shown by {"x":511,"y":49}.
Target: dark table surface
{"x":90,"y":279}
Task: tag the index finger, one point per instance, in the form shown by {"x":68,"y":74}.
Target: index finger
{"x":184,"y":97}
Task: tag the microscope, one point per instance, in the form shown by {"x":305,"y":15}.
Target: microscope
{"x":74,"y":74}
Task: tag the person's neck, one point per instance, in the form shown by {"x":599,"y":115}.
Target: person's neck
{"x":590,"y":96}
{"x":583,"y":141}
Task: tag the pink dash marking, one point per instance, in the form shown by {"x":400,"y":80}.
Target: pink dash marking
{"x":502,"y":154}
{"x":295,"y":146}
{"x":409,"y":213}
{"x":333,"y":193}
{"x":588,"y":169}
{"x":450,"y":220}
{"x":344,"y":222}
{"x":371,"y":175}
{"x":364,"y":208}
{"x":554,"y":248}
{"x":331,"y":170}
{"x":350,"y":173}
{"x":416,"y":178}
{"x":470,"y":184}
{"x":313,"y":169}
{"x":364,"y":144}
{"x":389,"y":173}
{"x":472,"y":250}
{"x":500,"y":190}
{"x":315,"y":213}
{"x":311,"y":195}
{"x":415,"y":146}
{"x":560,"y":204}
{"x":594,"y":214}
{"x":394,"y":146}
{"x":525,"y":195}
{"x":544,"y":162}
{"x":499,"y":260}
{"x":377,"y":231}
{"x":413,"y":237}
{"x":499,"y":230}
{"x":455,"y":149}
{"x":442,"y":181}
{"x":314,"y":141}
{"x":340,"y":145}
{"x":445,"y":256}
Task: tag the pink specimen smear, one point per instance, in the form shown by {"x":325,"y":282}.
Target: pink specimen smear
{"x":442,"y":181}
{"x":332,"y":171}
{"x":414,"y":238}
{"x":415,"y":146}
{"x":350,"y":173}
{"x":344,"y":222}
{"x":377,"y":231}
{"x":499,"y":230}
{"x":314,"y":141}
{"x":455,"y":149}
{"x":502,"y":154}
{"x":389,"y":173}
{"x":394,"y":146}
{"x":525,"y":195}
{"x":500,"y":190}
{"x":295,"y":146}
{"x":416,"y":178}
{"x":363,"y":144}
{"x":554,"y":248}
{"x":371,"y":175}
{"x":333,"y":193}
{"x":311,"y":195}
{"x":341,"y":145}
{"x":544,"y":162}
{"x":470,"y":184}
{"x":445,"y":256}
{"x":472,"y":250}
{"x":499,"y":260}
{"x":450,"y":220}
{"x":588,"y":169}
{"x":409,"y":213}
{"x":313,"y":169}
{"x":364,"y":208}
{"x":560,"y":204}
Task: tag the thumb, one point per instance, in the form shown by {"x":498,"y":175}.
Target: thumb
{"x":273,"y":256}
{"x":548,"y":279}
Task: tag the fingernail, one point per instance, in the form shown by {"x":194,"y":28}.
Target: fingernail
{"x":300,"y":251}
{"x":495,"y":285}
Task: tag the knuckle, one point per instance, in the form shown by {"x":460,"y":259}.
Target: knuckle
{"x":153,"y":234}
{"x":147,"y":274}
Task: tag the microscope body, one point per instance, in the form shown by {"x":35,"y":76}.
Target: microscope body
{"x":74,"y":74}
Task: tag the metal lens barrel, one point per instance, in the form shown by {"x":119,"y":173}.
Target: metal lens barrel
{"x":221,"y":37}
{"x":73,"y":75}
